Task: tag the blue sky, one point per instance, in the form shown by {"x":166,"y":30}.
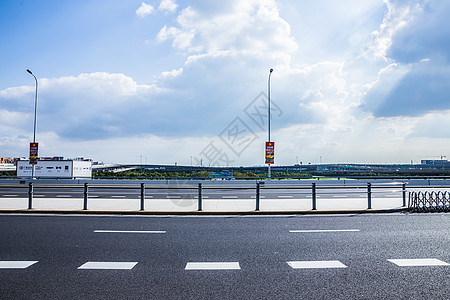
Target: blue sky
{"x":179,"y":81}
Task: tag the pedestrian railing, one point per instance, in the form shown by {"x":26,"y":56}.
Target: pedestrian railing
{"x":197,"y":192}
{"x":429,"y":201}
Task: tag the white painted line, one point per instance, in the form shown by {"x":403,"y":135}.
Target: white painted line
{"x":93,"y":196}
{"x":261,"y":197}
{"x":10,"y":195}
{"x":120,"y":196}
{"x":14,"y":264}
{"x":287,"y":196}
{"x":212,"y":266}
{"x":339,"y":196}
{"x":323,"y":264}
{"x":229,"y":197}
{"x":63,"y":196}
{"x":324,"y":230}
{"x":173,"y":197}
{"x":205,"y":197}
{"x":34,"y":196}
{"x":129,"y":231}
{"x":147,"y":197}
{"x":418,"y":262}
{"x":94,"y":265}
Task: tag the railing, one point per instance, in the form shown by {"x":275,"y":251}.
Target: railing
{"x":434,"y":201}
{"x":197,"y":192}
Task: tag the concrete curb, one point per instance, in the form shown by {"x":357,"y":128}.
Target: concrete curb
{"x":201,"y":213}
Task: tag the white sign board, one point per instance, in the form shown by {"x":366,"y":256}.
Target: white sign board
{"x":55,"y":169}
{"x":82,"y":169}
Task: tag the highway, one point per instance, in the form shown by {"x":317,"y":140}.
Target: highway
{"x":371,"y":256}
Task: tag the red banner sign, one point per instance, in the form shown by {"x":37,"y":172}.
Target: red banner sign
{"x":33,"y":153}
{"x":270,"y":153}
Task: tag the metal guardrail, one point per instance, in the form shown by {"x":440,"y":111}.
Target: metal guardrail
{"x":92,"y":190}
{"x":434,"y":201}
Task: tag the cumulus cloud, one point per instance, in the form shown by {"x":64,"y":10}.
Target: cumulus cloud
{"x":407,"y":38}
{"x":168,"y":5}
{"x":254,"y":26}
{"x":144,"y":10}
{"x":88,"y":105}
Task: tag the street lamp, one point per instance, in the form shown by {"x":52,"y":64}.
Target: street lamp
{"x":35,"y":115}
{"x":268,"y":92}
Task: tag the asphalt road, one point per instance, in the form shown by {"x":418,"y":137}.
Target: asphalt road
{"x":164,"y":257}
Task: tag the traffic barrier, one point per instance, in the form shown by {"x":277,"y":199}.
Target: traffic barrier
{"x":434,"y":201}
{"x":423,"y":201}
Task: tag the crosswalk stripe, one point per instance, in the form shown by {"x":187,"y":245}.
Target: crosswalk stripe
{"x":423,"y":262}
{"x":322,"y":264}
{"x":95,"y":265}
{"x":16,"y":264}
{"x":212,"y":266}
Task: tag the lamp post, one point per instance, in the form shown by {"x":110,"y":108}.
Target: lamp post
{"x":35,"y":115}
{"x":268,"y":93}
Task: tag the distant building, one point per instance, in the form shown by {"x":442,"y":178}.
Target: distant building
{"x":439,"y":162}
{"x":6,"y":160}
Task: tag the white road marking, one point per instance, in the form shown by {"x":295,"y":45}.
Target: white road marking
{"x":38,"y":196}
{"x":118,"y":196}
{"x":173,"y":197}
{"x":10,"y":195}
{"x":212,"y":266}
{"x":63,"y":196}
{"x":324,"y":230}
{"x":94,"y":265}
{"x":260,"y":197}
{"x":418,"y":262}
{"x":14,"y":264}
{"x":324,"y":264}
{"x":287,"y":196}
{"x":229,"y":197}
{"x":339,"y":196}
{"x":129,"y":231}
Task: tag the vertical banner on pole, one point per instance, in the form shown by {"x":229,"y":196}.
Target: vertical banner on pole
{"x":33,"y":153}
{"x":270,"y":153}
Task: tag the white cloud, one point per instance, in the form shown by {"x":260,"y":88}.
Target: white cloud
{"x":397,"y":17}
{"x":171,"y":74}
{"x":144,"y":10}
{"x":251,"y":26}
{"x":168,"y":5}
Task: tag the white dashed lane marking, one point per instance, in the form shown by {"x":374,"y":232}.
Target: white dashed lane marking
{"x":130,"y":231}
{"x":324,"y":230}
{"x":322,"y":264}
{"x":212,"y":266}
{"x":424,"y":262}
{"x":16,"y":264}
{"x":95,"y":265}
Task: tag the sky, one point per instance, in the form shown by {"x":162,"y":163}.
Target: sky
{"x":187,"y":81}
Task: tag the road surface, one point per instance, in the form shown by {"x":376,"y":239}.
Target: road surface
{"x":395,"y":256}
